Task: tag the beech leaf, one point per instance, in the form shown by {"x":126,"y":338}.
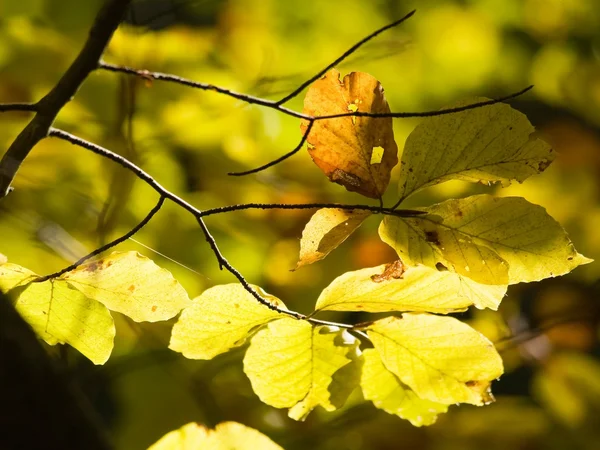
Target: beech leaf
{"x":326,"y":230}
{"x":222,"y":318}
{"x":440,"y":358}
{"x":416,"y":288}
{"x":388,"y":393}
{"x":60,"y":314}
{"x":488,"y":144}
{"x":292,"y":364}
{"x":131,"y":284}
{"x":356,"y":152}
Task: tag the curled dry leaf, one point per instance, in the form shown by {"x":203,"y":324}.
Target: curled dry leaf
{"x":356,"y":152}
{"x":325,"y":231}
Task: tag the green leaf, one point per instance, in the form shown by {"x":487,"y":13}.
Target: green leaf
{"x":422,"y":240}
{"x":533,"y":244}
{"x":388,"y":393}
{"x":131,"y":284}
{"x":440,"y":358}
{"x":325,"y":231}
{"x":418,"y":288}
{"x":60,"y":314}
{"x":222,"y":318}
{"x":488,"y":144}
{"x":292,"y":364}
{"x":226,"y":436}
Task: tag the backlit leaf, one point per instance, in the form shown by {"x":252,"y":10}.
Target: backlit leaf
{"x":131,"y":284}
{"x":60,"y":314}
{"x":422,"y":240}
{"x":325,"y":231}
{"x":226,"y":436}
{"x":13,"y":275}
{"x":222,"y":318}
{"x":440,"y":358}
{"x":388,"y":393}
{"x":487,"y":144}
{"x":292,"y":364}
{"x":533,"y":244}
{"x":356,"y":152}
{"x":416,"y":288}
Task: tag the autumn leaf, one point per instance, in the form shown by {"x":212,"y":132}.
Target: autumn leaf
{"x":440,"y":358}
{"x":222,"y":318}
{"x":533,"y":244}
{"x":388,"y":393}
{"x":423,"y":240}
{"x":325,"y":231}
{"x":356,"y":152}
{"x":494,"y":143}
{"x":226,"y":436}
{"x":416,"y":288}
{"x":60,"y":314}
{"x":292,"y":364}
{"x":131,"y":284}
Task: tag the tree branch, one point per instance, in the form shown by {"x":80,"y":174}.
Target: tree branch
{"x":4,"y":107}
{"x":106,"y":22}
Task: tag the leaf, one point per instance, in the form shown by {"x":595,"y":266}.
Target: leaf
{"x":226,"y":436}
{"x":356,"y":152}
{"x":325,"y":231}
{"x":488,"y":144}
{"x":388,"y":393}
{"x":533,"y":244}
{"x":222,"y":318}
{"x":422,"y":240}
{"x":292,"y":364}
{"x":418,"y":288}
{"x":131,"y":284}
{"x":440,"y":358}
{"x":60,"y":314}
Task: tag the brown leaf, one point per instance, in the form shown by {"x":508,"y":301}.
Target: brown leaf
{"x":393,"y":270}
{"x":356,"y":152}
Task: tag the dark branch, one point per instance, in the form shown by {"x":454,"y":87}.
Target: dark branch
{"x":4,"y":107}
{"x":345,"y":55}
{"x":106,"y":22}
{"x":108,"y":246}
{"x":281,"y":158}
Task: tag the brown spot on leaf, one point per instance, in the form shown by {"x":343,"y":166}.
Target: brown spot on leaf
{"x":543,"y":164}
{"x":570,"y":258}
{"x":236,"y":305}
{"x":345,"y":179}
{"x":433,"y":237}
{"x":458,"y":213}
{"x":131,"y":288}
{"x":154,"y":308}
{"x":93,"y":266}
{"x":439,"y":266}
{"x":109,"y":263}
{"x":392,"y":271}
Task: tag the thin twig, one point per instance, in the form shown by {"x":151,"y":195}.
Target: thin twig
{"x":281,"y":158}
{"x":4,"y":107}
{"x":342,"y":57}
{"x":108,"y":246}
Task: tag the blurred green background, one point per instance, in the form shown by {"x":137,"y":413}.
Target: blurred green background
{"x":68,"y":201}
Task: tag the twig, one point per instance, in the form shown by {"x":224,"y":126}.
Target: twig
{"x":4,"y":107}
{"x":281,"y":158}
{"x":108,"y":246}
{"x":48,"y":107}
{"x":343,"y":57}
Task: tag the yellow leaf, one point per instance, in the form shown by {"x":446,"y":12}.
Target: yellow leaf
{"x":292,"y":364}
{"x":440,"y":358}
{"x":226,"y":436}
{"x":533,"y":244}
{"x":488,"y":144}
{"x":60,"y":314}
{"x":222,"y":318}
{"x":343,"y":148}
{"x":388,"y":393}
{"x":325,"y":231}
{"x":417,"y":288}
{"x":422,"y":240}
{"x":131,"y":284}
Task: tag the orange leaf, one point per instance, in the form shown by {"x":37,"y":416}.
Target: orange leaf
{"x":356,"y":152}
